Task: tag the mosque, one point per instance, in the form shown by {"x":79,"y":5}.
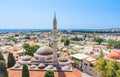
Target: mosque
{"x":45,"y":57}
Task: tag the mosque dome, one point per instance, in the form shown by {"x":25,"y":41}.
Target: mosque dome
{"x":44,"y":51}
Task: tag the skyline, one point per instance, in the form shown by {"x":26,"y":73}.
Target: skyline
{"x":74,"y":14}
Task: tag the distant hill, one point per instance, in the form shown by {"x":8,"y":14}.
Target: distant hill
{"x":115,"y":29}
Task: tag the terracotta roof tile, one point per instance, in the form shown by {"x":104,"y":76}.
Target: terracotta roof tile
{"x":115,"y":54}
{"x":18,"y":73}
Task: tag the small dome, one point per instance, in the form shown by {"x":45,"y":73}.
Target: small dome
{"x":66,"y":67}
{"x":63,"y":59}
{"x":44,"y":51}
{"x":26,"y":58}
{"x":17,"y":66}
{"x":49,"y":58}
{"x":50,"y":67}
{"x":32,"y":66}
{"x":41,"y":66}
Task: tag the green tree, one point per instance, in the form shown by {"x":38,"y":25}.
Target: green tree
{"x":3,"y":69}
{"x":76,"y":39}
{"x":107,"y":68}
{"x":113,"y":44}
{"x":67,"y":42}
{"x":63,"y":39}
{"x":84,"y":36}
{"x":11,"y":60}
{"x":98,"y":39}
{"x":11,"y":38}
{"x":26,"y":45}
{"x":1,"y":57}
{"x":31,"y":50}
{"x":50,"y":44}
{"x":118,"y":73}
{"x":111,"y":68}
{"x":100,"y":66}
{"x":49,"y":73}
{"x":25,"y":71}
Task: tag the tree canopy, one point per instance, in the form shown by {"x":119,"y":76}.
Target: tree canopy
{"x":30,"y":50}
{"x":49,"y":73}
{"x":100,"y":67}
{"x":107,"y":68}
{"x":76,"y":39}
{"x":113,"y":44}
{"x":11,"y":38}
{"x":3,"y":69}
{"x":26,"y":45}
{"x":67,"y":42}
{"x":63,"y":39}
{"x":98,"y":39}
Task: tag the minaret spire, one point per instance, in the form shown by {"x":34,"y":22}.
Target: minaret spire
{"x":54,"y":22}
{"x":54,"y":15}
{"x":55,"y":60}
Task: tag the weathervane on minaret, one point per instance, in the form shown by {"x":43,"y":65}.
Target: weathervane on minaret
{"x":54,"y":31}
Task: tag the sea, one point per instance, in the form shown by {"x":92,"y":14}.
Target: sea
{"x":22,"y":30}
{"x":46,"y":30}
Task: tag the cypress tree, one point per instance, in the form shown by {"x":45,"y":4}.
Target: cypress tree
{"x":67,"y":42}
{"x":1,"y":57}
{"x":25,"y":71}
{"x":3,"y":69}
{"x":11,"y":60}
{"x":49,"y":73}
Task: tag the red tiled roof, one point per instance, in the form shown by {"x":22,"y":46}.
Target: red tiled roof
{"x":18,"y":73}
{"x":117,"y":51}
{"x":115,"y":54}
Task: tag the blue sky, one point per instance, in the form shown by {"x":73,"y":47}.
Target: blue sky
{"x":71,"y":14}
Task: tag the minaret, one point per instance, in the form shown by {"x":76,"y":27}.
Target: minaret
{"x":55,"y":60}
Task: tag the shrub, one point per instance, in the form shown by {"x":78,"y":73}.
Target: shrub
{"x":25,"y":71}
{"x":49,"y":73}
{"x":1,"y":57}
{"x":3,"y":69}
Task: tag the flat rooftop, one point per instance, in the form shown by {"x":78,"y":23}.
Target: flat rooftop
{"x":79,"y":56}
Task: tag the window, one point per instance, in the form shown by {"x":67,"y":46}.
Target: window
{"x":91,"y":65}
{"x":85,"y":64}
